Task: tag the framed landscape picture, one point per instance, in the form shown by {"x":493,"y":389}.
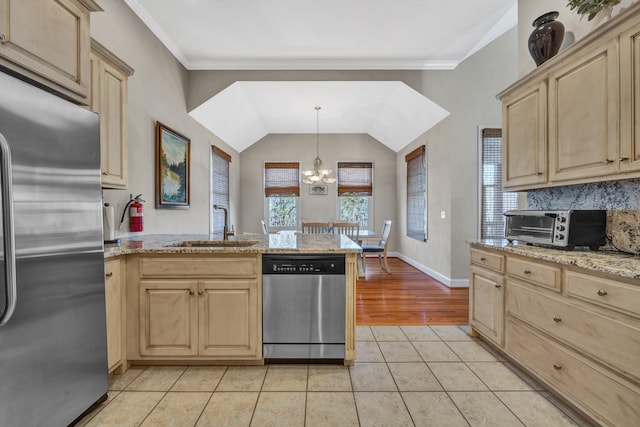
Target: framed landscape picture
{"x":172,"y":168}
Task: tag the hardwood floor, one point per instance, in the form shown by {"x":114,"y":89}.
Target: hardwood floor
{"x":407,"y":296}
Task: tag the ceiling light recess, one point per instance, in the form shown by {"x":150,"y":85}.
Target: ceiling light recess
{"x":318,"y":174}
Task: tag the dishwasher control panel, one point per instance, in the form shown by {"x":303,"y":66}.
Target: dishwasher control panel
{"x":303,"y":264}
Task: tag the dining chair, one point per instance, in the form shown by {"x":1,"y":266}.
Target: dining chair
{"x":315,"y":227}
{"x":264,"y":227}
{"x":349,"y":229}
{"x":380,"y":248}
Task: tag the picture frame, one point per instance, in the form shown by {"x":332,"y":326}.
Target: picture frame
{"x":172,"y":168}
{"x":318,"y":189}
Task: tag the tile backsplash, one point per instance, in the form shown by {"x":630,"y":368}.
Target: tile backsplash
{"x":610,"y":195}
{"x":620,"y":198}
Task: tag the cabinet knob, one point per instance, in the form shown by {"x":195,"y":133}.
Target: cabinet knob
{"x":105,"y":173}
{"x":557,"y":366}
{"x":2,"y":37}
{"x":483,"y":258}
{"x":200,"y":293}
{"x":109,"y":274}
{"x":601,"y":292}
{"x":497,"y":285}
{"x":623,"y":159}
{"x":191,"y":292}
{"x":539,"y":173}
{"x":526,"y":271}
{"x":557,"y":319}
{"x":608,"y":161}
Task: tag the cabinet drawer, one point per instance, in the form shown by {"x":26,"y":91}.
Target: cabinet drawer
{"x":603,"y":292}
{"x":488,"y":260}
{"x":539,"y":274}
{"x":605,"y":396}
{"x":610,"y":341}
{"x":199,"y":267}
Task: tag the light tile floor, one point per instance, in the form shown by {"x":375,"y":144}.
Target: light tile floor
{"x":403,"y":376}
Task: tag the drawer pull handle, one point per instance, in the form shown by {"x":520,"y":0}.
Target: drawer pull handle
{"x":608,"y":161}
{"x":623,"y":159}
{"x":200,"y":293}
{"x":2,"y":37}
{"x":602,"y":292}
{"x":483,"y":258}
{"x":527,"y":271}
{"x":109,"y":274}
{"x":557,"y":319}
{"x":497,"y":285}
{"x":190,"y":292}
{"x":557,"y":366}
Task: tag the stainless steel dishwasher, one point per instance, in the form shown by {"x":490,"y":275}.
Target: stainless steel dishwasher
{"x":303,"y":306}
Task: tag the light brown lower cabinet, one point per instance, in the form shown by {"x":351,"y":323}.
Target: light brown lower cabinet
{"x":217,"y":318}
{"x":195,"y":308}
{"x":114,"y":303}
{"x":576,"y":330}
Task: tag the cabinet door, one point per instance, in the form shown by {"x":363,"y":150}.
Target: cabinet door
{"x":524,"y":152}
{"x":630,"y":100}
{"x":168,"y":318}
{"x":48,"y":41}
{"x":583,"y":115}
{"x":113,"y":302}
{"x":109,"y":99}
{"x":229,"y":325}
{"x":486,"y":304}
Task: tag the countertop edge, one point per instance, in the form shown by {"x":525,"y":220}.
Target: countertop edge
{"x":608,"y":262}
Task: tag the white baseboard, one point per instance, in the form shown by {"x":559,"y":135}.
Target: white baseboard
{"x":447,"y":281}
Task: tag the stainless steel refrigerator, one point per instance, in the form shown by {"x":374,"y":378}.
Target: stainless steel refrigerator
{"x":53,"y":356}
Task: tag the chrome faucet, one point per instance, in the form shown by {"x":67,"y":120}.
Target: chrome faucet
{"x":226,"y":232}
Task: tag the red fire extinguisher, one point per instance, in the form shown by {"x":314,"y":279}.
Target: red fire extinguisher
{"x":135,"y":213}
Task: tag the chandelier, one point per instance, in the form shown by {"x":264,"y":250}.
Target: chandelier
{"x":318,"y":174}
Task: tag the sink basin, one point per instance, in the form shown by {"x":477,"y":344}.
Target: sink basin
{"x":217,"y":243}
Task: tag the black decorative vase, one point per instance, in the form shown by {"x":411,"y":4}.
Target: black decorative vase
{"x":545,"y":40}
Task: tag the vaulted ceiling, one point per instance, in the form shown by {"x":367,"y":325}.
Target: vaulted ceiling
{"x":329,"y":34}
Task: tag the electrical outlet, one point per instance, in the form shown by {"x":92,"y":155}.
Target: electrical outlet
{"x":443,"y":215}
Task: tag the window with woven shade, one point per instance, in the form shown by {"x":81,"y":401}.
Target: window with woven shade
{"x":355,"y":192}
{"x":417,"y":194}
{"x":282,"y":194}
{"x":494,"y":202}
{"x":219,"y":187}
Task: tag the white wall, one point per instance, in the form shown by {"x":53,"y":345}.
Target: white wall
{"x":302,"y":148}
{"x":158,"y":91}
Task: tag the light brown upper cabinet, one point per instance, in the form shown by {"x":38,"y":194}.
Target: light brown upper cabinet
{"x":48,"y":42}
{"x":109,"y":77}
{"x":583,"y":114}
{"x":576,"y":118}
{"x":524,"y":154}
{"x":630,"y":98}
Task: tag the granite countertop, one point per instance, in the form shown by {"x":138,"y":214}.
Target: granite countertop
{"x":282,"y":242}
{"x":610,"y":262}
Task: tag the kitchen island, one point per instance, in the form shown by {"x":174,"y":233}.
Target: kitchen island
{"x":194,"y":299}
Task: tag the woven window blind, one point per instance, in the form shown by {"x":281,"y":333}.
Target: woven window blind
{"x":281,"y":179}
{"x":417,"y":193}
{"x":219,"y":187}
{"x":494,"y":201}
{"x":355,"y":178}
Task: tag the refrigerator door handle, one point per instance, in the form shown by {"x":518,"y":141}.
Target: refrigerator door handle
{"x":8,"y":231}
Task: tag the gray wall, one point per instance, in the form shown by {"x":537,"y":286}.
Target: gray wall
{"x":158,"y":91}
{"x":302,"y":148}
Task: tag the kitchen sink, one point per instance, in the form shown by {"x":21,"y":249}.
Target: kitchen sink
{"x":217,"y":243}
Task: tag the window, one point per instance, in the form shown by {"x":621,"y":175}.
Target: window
{"x":417,"y":194}
{"x":493,"y":201}
{"x":355,"y":191}
{"x":219,"y":187}
{"x":282,"y":192}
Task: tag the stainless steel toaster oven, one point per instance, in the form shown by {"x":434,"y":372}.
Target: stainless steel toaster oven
{"x":560,"y":228}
